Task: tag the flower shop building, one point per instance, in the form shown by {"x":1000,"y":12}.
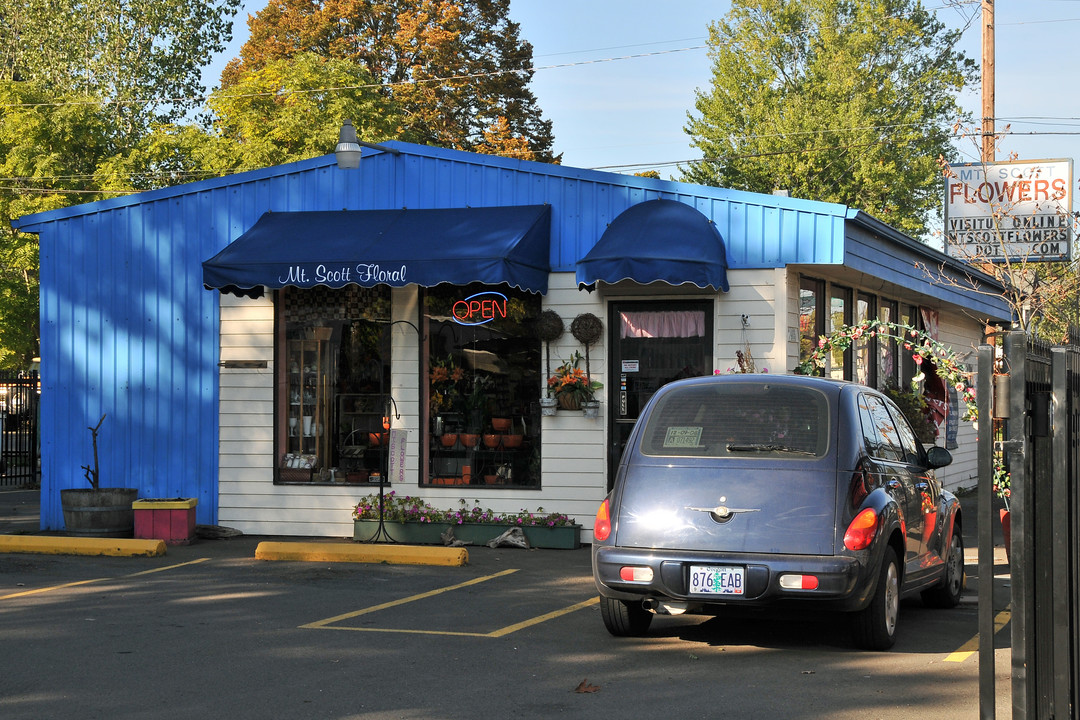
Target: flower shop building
{"x":278,"y":343}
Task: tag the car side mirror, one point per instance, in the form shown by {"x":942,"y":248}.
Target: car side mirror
{"x":937,"y":457}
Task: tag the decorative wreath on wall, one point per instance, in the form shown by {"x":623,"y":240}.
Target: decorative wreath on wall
{"x":586,"y":328}
{"x":549,"y":326}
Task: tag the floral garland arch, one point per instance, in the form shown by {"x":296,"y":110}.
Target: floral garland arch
{"x":921,"y":346}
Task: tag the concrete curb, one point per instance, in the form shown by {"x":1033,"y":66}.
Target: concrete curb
{"x":114,"y":547}
{"x":360,"y":553}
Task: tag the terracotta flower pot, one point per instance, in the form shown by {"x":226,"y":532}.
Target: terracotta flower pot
{"x":1006,"y":531}
{"x":469,"y":439}
{"x":449,"y":439}
{"x":512,"y":441}
{"x":491,"y":441}
{"x":500,"y":425}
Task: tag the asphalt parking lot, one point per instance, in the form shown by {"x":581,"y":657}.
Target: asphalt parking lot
{"x":207,"y":630}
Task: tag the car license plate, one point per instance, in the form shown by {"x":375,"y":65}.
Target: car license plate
{"x":716,"y":580}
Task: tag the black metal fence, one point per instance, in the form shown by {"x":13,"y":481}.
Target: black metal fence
{"x":1040,"y":446}
{"x":20,"y":448}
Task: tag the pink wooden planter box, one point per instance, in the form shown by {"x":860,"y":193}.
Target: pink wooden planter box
{"x":170,"y":520}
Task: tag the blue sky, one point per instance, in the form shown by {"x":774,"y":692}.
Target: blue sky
{"x":618,"y":78}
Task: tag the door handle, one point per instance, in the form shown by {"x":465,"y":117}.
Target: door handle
{"x":894,"y":484}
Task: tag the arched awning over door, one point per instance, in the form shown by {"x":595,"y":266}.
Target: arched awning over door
{"x":658,"y":240}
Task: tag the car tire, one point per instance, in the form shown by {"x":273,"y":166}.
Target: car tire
{"x":874,"y":627}
{"x":624,"y":619}
{"x":946,"y":594}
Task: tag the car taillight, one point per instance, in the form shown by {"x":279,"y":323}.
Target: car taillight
{"x":799,"y":582}
{"x":634,"y":573}
{"x":861,"y":531}
{"x":602,"y":525}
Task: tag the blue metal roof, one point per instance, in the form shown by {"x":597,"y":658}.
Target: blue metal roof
{"x":127,"y":328}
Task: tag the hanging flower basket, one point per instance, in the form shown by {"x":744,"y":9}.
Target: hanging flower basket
{"x":568,"y":401}
{"x":570,"y":386}
{"x":591,"y":408}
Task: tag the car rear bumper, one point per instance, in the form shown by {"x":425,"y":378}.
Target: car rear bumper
{"x":843,"y":582}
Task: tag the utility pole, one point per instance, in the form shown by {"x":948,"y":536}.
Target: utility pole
{"x":988,"y":138}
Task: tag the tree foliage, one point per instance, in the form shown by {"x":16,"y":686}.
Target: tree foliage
{"x":82,"y":82}
{"x":457,"y":70}
{"x":142,"y":58}
{"x":293,"y":108}
{"x":847,"y":102}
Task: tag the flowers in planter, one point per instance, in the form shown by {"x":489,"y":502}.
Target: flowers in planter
{"x":396,"y":509}
{"x":410,"y":509}
{"x":570,"y":381}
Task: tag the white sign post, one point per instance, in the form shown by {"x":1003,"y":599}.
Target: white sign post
{"x":396,"y":470}
{"x":1009,"y":211}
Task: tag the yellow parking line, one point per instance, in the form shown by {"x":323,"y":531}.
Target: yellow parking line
{"x":972,"y":646}
{"x":53,"y":588}
{"x":403,"y":601}
{"x":543,"y":618}
{"x":50,"y":589}
{"x":169,"y":567}
{"x":328,"y":624}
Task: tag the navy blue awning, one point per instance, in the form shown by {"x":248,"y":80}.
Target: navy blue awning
{"x":658,"y":240}
{"x":388,"y":247}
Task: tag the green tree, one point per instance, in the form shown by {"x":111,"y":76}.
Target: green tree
{"x":290,"y":109}
{"x":848,"y":102}
{"x":82,"y":84}
{"x":142,"y":58}
{"x":458,"y":71}
{"x":48,"y":151}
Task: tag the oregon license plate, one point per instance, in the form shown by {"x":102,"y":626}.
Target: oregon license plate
{"x":716,"y":580}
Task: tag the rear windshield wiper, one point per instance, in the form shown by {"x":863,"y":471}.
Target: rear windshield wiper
{"x":767,"y":447}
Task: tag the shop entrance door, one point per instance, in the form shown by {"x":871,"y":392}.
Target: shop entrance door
{"x":652,"y":343}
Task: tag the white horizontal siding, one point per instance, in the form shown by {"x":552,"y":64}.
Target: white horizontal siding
{"x":573,"y":452}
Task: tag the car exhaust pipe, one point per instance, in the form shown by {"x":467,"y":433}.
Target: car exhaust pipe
{"x":650,"y":604}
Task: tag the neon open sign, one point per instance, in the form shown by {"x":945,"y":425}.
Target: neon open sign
{"x":480,"y":308}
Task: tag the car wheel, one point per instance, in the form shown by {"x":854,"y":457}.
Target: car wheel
{"x":946,"y":594}
{"x":624,"y":619}
{"x":874,"y":626}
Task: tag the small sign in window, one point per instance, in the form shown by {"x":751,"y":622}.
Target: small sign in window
{"x":682,"y":437}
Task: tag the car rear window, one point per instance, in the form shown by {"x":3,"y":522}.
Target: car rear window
{"x":738,"y":420}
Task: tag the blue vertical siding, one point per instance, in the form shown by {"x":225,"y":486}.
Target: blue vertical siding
{"x":128,"y":330}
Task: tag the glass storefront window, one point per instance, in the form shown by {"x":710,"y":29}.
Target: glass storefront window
{"x":483,"y":386}
{"x":811,"y":316}
{"x":865,"y":346}
{"x":887,"y":347}
{"x":839,"y":315}
{"x":333,"y":372}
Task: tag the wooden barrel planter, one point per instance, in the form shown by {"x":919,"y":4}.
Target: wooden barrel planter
{"x":105,"y":512}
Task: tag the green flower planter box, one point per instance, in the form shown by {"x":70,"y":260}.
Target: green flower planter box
{"x":406,"y":533}
{"x":564,"y":537}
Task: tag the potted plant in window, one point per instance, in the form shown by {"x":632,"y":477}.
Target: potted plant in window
{"x":98,"y":511}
